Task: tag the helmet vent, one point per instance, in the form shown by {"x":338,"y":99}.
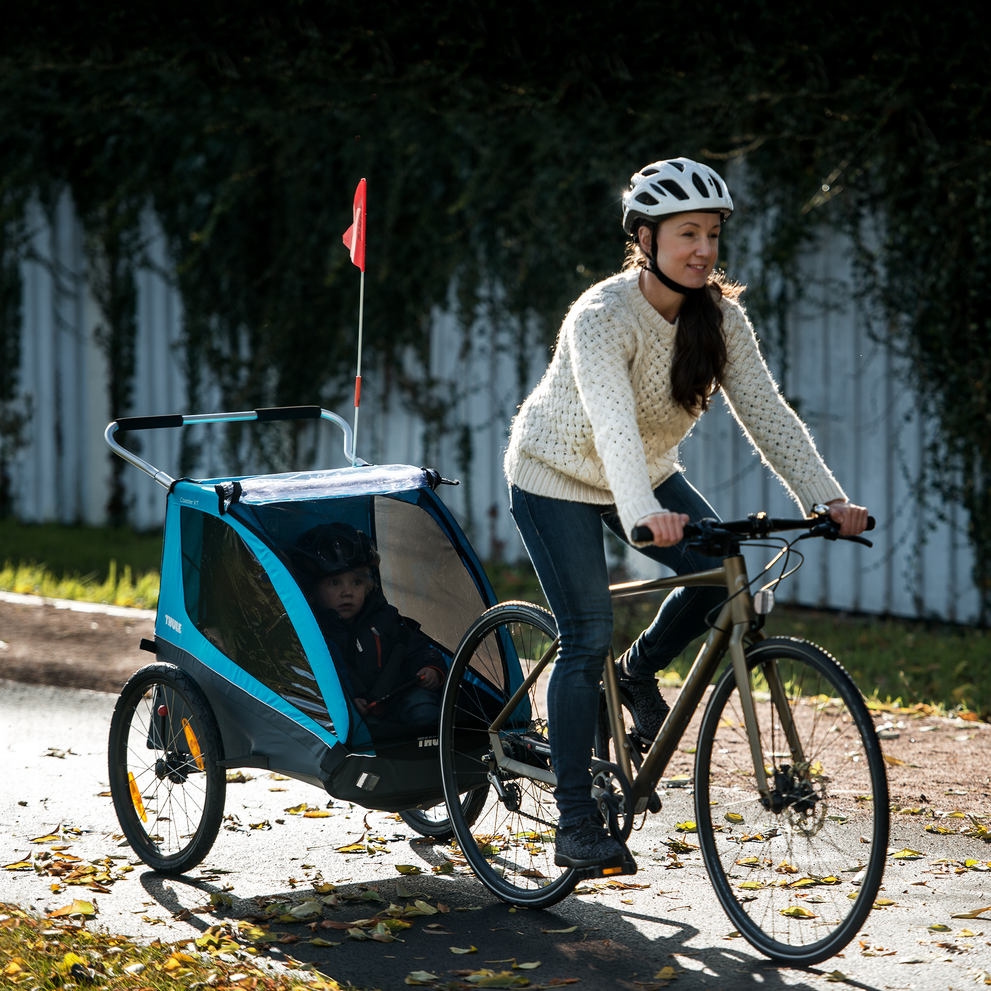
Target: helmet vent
{"x":699,"y":184}
{"x":672,"y":187}
{"x":675,"y":164}
{"x":646,"y":199}
{"x":719,"y":189}
{"x":649,"y":171}
{"x":657,"y":189}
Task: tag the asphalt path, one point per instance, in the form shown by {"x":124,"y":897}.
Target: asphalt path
{"x":53,"y":745}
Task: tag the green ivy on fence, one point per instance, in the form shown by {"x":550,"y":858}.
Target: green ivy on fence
{"x":496,"y":139}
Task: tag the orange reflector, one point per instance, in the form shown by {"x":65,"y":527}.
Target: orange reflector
{"x":136,"y":797}
{"x":606,"y":871}
{"x":194,"y":747}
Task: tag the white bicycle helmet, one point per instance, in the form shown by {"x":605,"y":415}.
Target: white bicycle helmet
{"x":677,"y":185}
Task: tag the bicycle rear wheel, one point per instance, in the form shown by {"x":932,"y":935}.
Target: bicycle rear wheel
{"x":167,"y":787}
{"x":797,"y":875}
{"x":511,"y":845}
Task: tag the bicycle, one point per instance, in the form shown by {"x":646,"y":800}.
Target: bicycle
{"x":790,"y":791}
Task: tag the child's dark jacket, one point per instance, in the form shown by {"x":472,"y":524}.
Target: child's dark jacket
{"x":380,"y":649}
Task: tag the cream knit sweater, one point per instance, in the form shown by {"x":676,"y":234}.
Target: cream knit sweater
{"x":602,"y":426}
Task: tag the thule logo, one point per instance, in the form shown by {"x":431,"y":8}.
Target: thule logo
{"x":175,"y":625}
{"x":428,"y":741}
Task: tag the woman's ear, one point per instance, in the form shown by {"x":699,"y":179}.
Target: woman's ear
{"x":645,"y":239}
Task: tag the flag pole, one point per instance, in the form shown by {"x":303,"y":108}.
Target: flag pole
{"x":357,"y":376}
{"x":354,"y":241}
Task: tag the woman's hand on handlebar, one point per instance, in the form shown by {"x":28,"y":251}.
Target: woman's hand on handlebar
{"x":851,"y":518}
{"x":668,"y":528}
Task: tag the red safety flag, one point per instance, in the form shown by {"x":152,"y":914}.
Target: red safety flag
{"x":354,"y":236}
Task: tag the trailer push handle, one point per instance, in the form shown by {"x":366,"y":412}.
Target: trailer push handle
{"x":126,"y":423}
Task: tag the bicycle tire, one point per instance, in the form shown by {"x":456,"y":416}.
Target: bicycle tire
{"x":797,"y":883}
{"x":167,"y":786}
{"x":511,"y":850}
{"x":435,"y":821}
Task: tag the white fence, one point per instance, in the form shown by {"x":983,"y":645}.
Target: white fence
{"x":849,"y":390}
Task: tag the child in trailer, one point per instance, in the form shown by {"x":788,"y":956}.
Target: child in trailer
{"x":395,"y":673}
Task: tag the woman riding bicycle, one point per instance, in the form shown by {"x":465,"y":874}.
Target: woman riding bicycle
{"x":638,"y":359}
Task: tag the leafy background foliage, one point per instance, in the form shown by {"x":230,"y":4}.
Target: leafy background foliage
{"x":496,"y":139}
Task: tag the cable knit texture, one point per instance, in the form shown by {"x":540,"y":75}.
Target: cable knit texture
{"x":603,"y":427}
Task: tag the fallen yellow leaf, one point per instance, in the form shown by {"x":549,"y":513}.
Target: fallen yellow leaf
{"x":76,"y":908}
{"x":971,"y":915}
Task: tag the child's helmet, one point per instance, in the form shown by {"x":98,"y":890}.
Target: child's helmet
{"x":677,"y":185}
{"x":333,"y":548}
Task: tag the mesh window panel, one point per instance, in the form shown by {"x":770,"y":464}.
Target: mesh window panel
{"x":234,"y":605}
{"x":422,"y":573}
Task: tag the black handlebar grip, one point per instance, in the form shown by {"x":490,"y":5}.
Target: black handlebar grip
{"x":289,"y":413}
{"x":871,"y":522}
{"x":641,"y":535}
{"x":149,"y":422}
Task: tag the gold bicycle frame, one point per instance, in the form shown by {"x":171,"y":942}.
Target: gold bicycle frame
{"x":735,"y":621}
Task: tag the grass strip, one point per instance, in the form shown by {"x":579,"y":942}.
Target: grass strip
{"x":116,"y":589}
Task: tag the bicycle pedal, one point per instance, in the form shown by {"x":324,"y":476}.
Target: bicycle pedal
{"x":628,"y":867}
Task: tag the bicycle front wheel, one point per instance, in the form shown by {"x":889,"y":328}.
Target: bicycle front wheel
{"x":167,"y":786}
{"x":511,"y":845}
{"x":798,"y":871}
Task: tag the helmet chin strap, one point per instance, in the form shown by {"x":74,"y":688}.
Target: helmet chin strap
{"x":670,"y":283}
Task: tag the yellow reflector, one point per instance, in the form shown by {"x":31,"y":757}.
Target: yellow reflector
{"x":194,"y":747}
{"x":136,"y":797}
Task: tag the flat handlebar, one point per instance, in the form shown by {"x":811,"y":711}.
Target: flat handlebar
{"x":756,"y":526}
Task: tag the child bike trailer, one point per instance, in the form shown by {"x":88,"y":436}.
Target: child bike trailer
{"x":244,"y":675}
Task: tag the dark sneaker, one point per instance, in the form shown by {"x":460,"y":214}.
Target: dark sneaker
{"x":645,"y":702}
{"x":587,"y":844}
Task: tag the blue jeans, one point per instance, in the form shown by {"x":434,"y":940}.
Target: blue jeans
{"x":564,"y":541}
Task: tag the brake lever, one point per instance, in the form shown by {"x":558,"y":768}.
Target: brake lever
{"x":859,"y":540}
{"x":830,"y":531}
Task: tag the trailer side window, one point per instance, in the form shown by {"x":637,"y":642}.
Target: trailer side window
{"x":232,"y":602}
